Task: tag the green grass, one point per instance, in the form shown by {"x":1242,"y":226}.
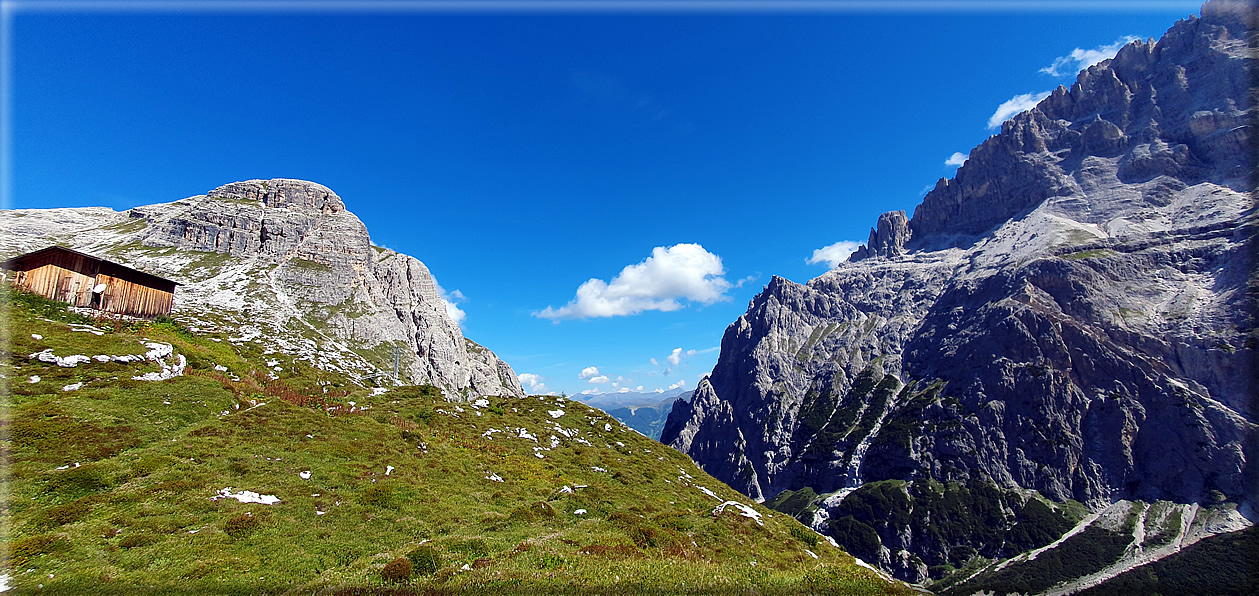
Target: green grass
{"x":963,"y":521}
{"x":1089,"y":254}
{"x":1221,"y":565}
{"x":1129,"y":313}
{"x":1090,"y":551}
{"x":128,"y":226}
{"x":140,"y":248}
{"x":111,"y":485}
{"x":798,"y":503}
{"x":309,"y":265}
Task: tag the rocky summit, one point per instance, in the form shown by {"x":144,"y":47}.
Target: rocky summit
{"x":1069,"y":318}
{"x":282,"y":263}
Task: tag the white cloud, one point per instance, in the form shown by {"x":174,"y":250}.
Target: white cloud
{"x":599,"y":380}
{"x":690,"y":353}
{"x":450,"y":299}
{"x":681,"y":271}
{"x":1015,"y":105}
{"x":1080,"y":59}
{"x":834,"y":254}
{"x":588,"y":372}
{"x":638,"y":388}
{"x":623,"y":390}
{"x":678,"y":385}
{"x":739,"y":284}
{"x":675,"y":357}
{"x":956,"y":159}
{"x":532,"y":383}
{"x":654,"y":362}
{"x":658,"y":390}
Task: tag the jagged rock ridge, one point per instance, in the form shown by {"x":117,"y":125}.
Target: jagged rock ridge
{"x":1070,"y":314}
{"x":284,"y":263}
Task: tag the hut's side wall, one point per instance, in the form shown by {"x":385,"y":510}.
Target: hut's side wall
{"x":65,"y":277}
{"x":125,"y":296}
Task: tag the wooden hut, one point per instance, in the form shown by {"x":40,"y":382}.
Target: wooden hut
{"x":79,"y":279}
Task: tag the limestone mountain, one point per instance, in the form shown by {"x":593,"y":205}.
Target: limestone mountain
{"x":283,"y":263}
{"x":1069,"y":318}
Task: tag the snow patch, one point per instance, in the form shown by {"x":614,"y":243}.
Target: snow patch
{"x":168,"y":371}
{"x":708,"y":492}
{"x":246,"y":496}
{"x":158,"y":350}
{"x":66,"y":362}
{"x":744,"y":510}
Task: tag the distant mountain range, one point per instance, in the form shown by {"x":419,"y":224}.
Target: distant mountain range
{"x":643,"y":412}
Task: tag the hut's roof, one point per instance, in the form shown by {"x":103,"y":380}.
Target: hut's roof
{"x":15,"y":262}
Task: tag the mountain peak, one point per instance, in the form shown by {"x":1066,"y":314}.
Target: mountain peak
{"x":283,"y":193}
{"x":1173,"y":109}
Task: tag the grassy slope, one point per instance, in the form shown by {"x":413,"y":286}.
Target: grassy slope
{"x":134,"y":509}
{"x":1228,"y":563}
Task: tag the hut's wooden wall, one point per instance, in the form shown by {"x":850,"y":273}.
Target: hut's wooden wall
{"x":70,"y":277}
{"x":61,"y":276}
{"x":127,"y":295}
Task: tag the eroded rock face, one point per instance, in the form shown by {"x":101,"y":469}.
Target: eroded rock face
{"x":284,"y":262}
{"x":887,"y":238}
{"x":1071,"y":313}
{"x":1176,"y":108}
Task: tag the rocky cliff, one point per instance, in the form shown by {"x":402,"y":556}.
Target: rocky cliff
{"x":1070,"y":314}
{"x":283,"y":263}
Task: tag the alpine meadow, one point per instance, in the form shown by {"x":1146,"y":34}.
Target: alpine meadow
{"x":1026,"y":368}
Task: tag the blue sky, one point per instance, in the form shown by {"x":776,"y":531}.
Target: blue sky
{"x":678,"y":158}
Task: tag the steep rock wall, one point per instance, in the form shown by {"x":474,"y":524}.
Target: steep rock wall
{"x":1072,"y":313}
